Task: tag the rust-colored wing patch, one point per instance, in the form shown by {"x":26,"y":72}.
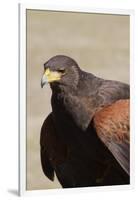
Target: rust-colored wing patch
{"x":112,"y":127}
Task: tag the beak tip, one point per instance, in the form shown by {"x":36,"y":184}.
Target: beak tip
{"x":42,"y":84}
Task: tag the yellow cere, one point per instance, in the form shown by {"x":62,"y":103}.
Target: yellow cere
{"x":52,"y":75}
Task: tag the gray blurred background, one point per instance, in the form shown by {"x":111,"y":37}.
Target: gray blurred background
{"x":100,"y":45}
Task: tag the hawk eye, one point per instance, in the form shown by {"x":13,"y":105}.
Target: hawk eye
{"x":61,"y":70}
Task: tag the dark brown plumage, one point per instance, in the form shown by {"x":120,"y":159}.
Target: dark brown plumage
{"x":84,"y":140}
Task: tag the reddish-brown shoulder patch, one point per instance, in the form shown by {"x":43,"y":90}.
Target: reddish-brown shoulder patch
{"x":113,"y":121}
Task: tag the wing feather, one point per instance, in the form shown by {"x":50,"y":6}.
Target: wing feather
{"x":53,"y":150}
{"x":112,"y":127}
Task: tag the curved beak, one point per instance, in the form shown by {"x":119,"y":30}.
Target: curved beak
{"x":44,"y":80}
{"x":50,"y":76}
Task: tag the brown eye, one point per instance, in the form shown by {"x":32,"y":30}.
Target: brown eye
{"x":61,"y":70}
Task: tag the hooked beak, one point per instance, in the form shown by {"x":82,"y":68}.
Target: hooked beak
{"x":49,"y":77}
{"x":43,"y":81}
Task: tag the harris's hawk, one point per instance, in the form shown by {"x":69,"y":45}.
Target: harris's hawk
{"x":85,"y":139}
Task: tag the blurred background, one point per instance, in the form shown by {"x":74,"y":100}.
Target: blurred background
{"x":100,"y":45}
